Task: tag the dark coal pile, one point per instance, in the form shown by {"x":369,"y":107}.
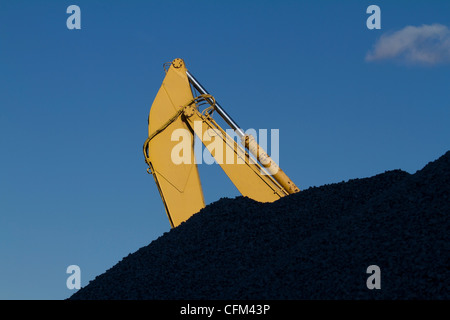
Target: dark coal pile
{"x":316,"y":244}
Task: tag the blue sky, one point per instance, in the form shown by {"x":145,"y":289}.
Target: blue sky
{"x":74,"y":107}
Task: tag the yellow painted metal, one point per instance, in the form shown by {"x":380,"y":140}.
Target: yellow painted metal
{"x":178,"y":182}
{"x":271,"y":166}
{"x":246,"y":174}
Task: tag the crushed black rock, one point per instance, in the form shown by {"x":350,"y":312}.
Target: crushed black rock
{"x":316,"y":244}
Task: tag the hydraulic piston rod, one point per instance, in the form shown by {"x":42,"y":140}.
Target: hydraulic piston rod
{"x":217,"y":107}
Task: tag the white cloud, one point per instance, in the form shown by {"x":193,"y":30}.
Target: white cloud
{"x":427,"y":44}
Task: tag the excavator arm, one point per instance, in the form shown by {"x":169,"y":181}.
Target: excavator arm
{"x":169,"y":150}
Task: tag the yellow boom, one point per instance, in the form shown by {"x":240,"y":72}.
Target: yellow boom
{"x":169,"y":150}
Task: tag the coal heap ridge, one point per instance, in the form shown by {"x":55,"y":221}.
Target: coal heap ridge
{"x":316,"y":244}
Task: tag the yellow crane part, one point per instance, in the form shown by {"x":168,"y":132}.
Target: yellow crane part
{"x":175,"y":115}
{"x":246,"y":175}
{"x":179,"y":185}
